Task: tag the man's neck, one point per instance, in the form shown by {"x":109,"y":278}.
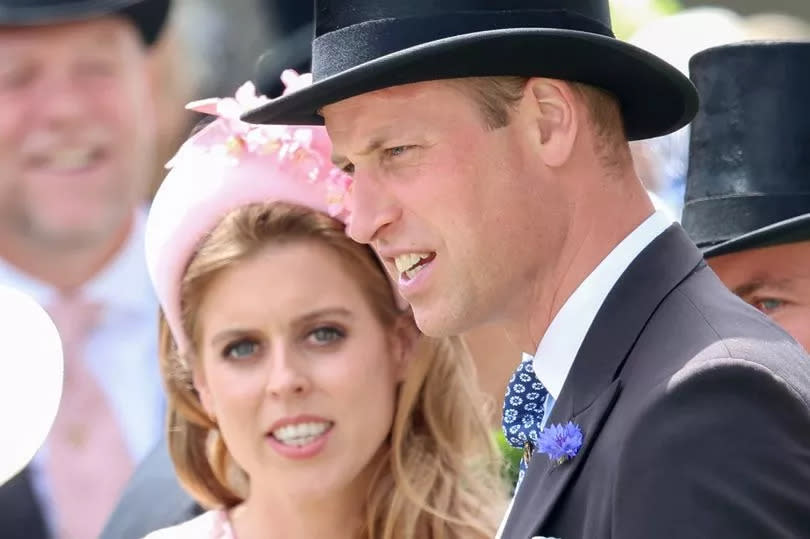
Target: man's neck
{"x":595,"y":229}
{"x":59,"y":266}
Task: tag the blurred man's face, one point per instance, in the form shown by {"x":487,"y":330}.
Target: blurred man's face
{"x":775,"y":280}
{"x":76,"y":130}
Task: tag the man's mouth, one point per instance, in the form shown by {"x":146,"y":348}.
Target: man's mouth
{"x":408,"y":265}
{"x":68,"y":160}
{"x":300,"y":434}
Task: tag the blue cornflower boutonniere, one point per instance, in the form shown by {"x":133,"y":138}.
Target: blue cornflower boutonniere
{"x":560,"y":442}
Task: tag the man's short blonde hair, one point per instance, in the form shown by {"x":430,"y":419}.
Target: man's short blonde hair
{"x":497,"y":97}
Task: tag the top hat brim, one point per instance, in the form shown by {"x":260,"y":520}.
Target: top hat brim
{"x":148,"y":16}
{"x":791,"y":230}
{"x":655,"y":97}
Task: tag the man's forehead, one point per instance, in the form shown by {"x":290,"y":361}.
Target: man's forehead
{"x":386,"y":100}
{"x":774,"y":266}
{"x":382,"y":114}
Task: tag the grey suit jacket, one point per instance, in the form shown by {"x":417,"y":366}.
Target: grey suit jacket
{"x":695,"y":410}
{"x":20,"y":513}
{"x":152,"y":499}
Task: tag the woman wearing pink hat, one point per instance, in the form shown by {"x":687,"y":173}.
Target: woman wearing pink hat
{"x":303,"y":400}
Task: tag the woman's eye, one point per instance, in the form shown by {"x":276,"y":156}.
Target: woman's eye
{"x":768,"y":305}
{"x":326,"y":335}
{"x":240,"y":349}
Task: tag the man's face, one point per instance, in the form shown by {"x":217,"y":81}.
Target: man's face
{"x":449,"y":203}
{"x":75,"y":130}
{"x":775,"y":280}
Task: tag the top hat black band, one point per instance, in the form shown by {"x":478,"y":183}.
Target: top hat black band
{"x":348,"y":47}
{"x":715,"y":220}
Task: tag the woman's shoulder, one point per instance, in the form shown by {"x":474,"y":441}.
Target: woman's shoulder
{"x":210,"y":525}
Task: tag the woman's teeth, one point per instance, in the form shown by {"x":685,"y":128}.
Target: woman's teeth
{"x":410,"y":264}
{"x":300,"y":433}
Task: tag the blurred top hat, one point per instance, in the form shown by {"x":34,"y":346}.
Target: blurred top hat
{"x":148,"y":16}
{"x":748,"y":183}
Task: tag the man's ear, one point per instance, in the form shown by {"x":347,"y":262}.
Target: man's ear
{"x":405,"y":337}
{"x":553,"y":108}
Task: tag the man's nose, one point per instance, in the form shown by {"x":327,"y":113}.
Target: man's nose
{"x":372,"y":209}
{"x":65,"y":101}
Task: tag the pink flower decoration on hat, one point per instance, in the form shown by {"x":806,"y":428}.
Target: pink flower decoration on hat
{"x":227,"y":164}
{"x":294,"y":82}
{"x":231,"y":108}
{"x":233,"y":139}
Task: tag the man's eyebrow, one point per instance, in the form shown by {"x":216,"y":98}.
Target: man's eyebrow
{"x":756,"y":284}
{"x":375,"y":144}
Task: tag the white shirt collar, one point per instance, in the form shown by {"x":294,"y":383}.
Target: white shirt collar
{"x":559,"y":346}
{"x":123,"y":284}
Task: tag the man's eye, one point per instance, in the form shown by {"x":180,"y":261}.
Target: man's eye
{"x":240,"y":349}
{"x":97,"y":68}
{"x":326,"y":335}
{"x":396,"y":151}
{"x":348,"y":169}
{"x":16,"y":78}
{"x":768,"y":305}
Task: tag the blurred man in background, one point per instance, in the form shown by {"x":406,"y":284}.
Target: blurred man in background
{"x":747,"y":193}
{"x":77,"y":136}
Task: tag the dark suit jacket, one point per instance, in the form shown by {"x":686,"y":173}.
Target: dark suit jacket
{"x":20,"y":514}
{"x":695,"y":411}
{"x":152,"y":499}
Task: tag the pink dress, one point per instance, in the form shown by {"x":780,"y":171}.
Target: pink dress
{"x":211,"y":525}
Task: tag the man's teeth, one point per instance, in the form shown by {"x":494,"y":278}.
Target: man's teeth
{"x":407,"y":263}
{"x":412,"y":272}
{"x":300,"y":433}
{"x":70,"y":159}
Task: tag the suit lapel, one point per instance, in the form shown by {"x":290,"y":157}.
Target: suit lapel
{"x":555,"y":477}
{"x":593,"y":385}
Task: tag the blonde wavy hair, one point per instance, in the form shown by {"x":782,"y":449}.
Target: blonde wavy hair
{"x":440,"y":476}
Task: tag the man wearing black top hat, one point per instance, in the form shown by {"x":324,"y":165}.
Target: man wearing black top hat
{"x":748,"y":189}
{"x":77,"y":135}
{"x":488,"y":147}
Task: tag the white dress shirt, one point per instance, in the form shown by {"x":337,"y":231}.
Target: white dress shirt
{"x":560,"y":344}
{"x":121,"y":352}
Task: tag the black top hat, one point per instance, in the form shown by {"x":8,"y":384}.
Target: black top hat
{"x":291,"y":51}
{"x":147,"y":15}
{"x":290,"y":45}
{"x":366,"y":45}
{"x":749,"y":158}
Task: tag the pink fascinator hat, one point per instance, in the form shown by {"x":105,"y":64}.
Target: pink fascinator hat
{"x":229,"y":164}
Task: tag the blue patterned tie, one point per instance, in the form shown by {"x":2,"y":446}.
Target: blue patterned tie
{"x":523,"y":410}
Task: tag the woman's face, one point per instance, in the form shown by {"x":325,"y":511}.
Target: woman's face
{"x":297,"y":370}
